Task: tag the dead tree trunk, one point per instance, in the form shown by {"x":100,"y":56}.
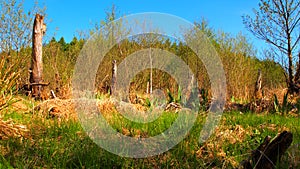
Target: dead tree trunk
{"x":148,"y":87}
{"x":269,"y":152}
{"x":151,"y":73}
{"x":36,"y":70}
{"x":114,"y":77}
{"x":297,"y":76}
{"x":258,"y":88}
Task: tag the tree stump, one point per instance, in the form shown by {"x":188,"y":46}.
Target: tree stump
{"x":258,"y":86}
{"x":114,"y":77}
{"x":268,"y":153}
{"x":36,"y":70}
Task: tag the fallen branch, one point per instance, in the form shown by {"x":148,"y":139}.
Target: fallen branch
{"x":41,"y":84}
{"x":268,"y":153}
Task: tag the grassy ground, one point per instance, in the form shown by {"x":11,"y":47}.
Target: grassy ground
{"x":62,"y":143}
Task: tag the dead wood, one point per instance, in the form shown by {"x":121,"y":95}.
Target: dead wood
{"x":269,"y":153}
{"x":114,"y":77}
{"x":258,"y":86}
{"x":36,"y":69}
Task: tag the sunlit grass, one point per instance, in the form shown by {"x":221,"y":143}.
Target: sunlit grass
{"x":54,"y":143}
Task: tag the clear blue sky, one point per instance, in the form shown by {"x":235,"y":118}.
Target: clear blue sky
{"x":67,"y":17}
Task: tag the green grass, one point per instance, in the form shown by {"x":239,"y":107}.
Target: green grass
{"x":262,"y":126}
{"x":55,"y":144}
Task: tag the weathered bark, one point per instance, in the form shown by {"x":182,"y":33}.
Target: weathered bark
{"x":148,"y":87}
{"x":114,"y":77}
{"x":297,"y":76}
{"x":268,"y":153}
{"x":36,"y":70}
{"x":151,"y":82}
{"x":258,"y":86}
{"x":190,"y":89}
{"x":292,"y":84}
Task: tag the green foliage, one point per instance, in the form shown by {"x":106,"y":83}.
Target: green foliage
{"x":285,"y":104}
{"x":236,"y":53}
{"x":276,"y":103}
{"x":60,"y":58}
{"x":16,"y":25}
{"x":4,"y":163}
{"x":172,"y":98}
{"x":63,"y":45}
{"x":204,"y":98}
{"x":298,"y":105}
{"x":283,"y":108}
{"x":54,"y":144}
{"x":275,"y":79}
{"x":148,"y":102}
{"x":179,"y":94}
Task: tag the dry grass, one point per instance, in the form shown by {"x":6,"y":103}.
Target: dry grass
{"x":9,"y":74}
{"x":58,"y":108}
{"x":233,"y":140}
{"x":280,"y":92}
{"x":224,"y":135}
{"x":8,"y":129}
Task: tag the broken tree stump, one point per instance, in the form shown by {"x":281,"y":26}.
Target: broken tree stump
{"x":114,"y":77}
{"x":268,"y":153}
{"x":36,"y":69}
{"x":258,"y":86}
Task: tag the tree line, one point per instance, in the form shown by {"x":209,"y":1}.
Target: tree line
{"x":236,"y":52}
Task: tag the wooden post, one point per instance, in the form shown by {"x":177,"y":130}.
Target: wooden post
{"x":36,"y":70}
{"x":114,"y":77}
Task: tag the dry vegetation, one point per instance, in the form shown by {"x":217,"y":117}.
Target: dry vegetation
{"x":48,"y":134}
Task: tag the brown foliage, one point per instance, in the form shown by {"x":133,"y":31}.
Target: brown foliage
{"x":8,"y":129}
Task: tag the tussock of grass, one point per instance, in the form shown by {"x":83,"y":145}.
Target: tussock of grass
{"x":57,"y":108}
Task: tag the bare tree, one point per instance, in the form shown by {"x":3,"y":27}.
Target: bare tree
{"x":278,"y":22}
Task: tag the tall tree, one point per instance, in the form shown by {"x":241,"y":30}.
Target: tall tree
{"x":278,"y":22}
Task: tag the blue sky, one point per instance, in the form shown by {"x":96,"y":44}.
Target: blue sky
{"x":65,"y":17}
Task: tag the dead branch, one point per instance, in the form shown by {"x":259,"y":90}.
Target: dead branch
{"x":269,"y":152}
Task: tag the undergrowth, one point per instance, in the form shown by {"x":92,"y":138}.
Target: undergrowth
{"x":56,"y":143}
